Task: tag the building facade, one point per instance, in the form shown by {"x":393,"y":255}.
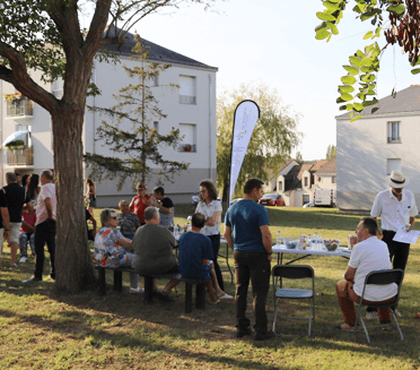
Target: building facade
{"x":370,"y":148}
{"x":186,"y":93}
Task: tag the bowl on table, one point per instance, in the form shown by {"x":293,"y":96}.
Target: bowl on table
{"x":290,"y":243}
{"x":332,"y":244}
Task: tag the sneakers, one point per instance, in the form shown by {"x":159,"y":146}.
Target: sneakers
{"x":32,"y":279}
{"x":240,"y":333}
{"x":225,"y":296}
{"x":398,"y":313}
{"x":263,"y":336}
{"x":136,"y":290}
{"x":22,"y":260}
{"x":372,"y":315}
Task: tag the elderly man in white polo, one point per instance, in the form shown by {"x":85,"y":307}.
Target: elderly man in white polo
{"x":397,"y":208}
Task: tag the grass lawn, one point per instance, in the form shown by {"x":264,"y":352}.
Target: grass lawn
{"x":42,"y":329}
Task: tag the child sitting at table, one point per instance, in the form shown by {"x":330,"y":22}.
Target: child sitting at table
{"x":195,"y":260}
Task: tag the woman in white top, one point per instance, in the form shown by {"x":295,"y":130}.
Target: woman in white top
{"x":211,"y":208}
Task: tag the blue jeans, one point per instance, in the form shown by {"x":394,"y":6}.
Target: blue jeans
{"x":24,"y":239}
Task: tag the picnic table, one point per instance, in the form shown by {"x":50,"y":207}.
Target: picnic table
{"x":304,"y":253}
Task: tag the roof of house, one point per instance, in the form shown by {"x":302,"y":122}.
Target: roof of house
{"x":304,"y":167}
{"x":406,"y":101}
{"x":156,"y":52}
{"x":328,"y":167}
{"x":318,"y":164}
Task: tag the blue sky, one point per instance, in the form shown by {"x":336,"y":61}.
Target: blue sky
{"x":273,"y":41}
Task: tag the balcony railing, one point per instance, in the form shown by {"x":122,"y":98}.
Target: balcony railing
{"x":187,"y":99}
{"x":20,"y":157}
{"x":20,"y":107}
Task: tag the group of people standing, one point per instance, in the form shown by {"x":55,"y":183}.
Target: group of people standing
{"x":27,"y":215}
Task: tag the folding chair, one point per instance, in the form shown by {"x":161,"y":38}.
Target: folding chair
{"x":380,"y":277}
{"x":293,"y":272}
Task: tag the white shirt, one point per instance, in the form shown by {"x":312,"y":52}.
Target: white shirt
{"x":394,"y":213}
{"x":208,"y":211}
{"x":47,"y":191}
{"x":369,"y":255}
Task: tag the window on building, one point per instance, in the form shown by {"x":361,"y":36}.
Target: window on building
{"x":155,"y":80}
{"x":189,"y":133}
{"x":187,"y":90}
{"x":394,"y":132}
{"x":319,"y":179}
{"x":334,"y":179}
{"x":393,"y":164}
{"x":156,"y":126}
{"x":305,"y":179}
{"x":280,"y":187}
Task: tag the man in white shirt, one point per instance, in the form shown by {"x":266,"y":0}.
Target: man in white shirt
{"x":397,"y":208}
{"x":368,"y":255}
{"x":45,"y":227}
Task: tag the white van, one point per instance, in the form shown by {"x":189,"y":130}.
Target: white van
{"x":325,"y":197}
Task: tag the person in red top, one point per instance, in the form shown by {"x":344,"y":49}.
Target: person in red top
{"x":27,"y":232}
{"x":140,"y":202}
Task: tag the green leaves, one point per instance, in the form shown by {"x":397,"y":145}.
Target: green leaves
{"x":351,"y":70}
{"x":348,"y":80}
{"x":396,"y":9}
{"x":363,"y":65}
{"x":331,"y":17}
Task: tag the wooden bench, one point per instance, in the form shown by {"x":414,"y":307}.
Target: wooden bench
{"x":200,"y":298}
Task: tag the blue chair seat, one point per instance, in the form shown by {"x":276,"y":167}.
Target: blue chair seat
{"x":294,"y":293}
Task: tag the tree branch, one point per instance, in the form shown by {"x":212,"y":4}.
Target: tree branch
{"x":19,"y":77}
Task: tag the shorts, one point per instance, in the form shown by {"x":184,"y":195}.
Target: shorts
{"x":14,"y":232}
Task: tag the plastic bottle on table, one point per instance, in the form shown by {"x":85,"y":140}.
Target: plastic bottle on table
{"x":321,"y":243}
{"x":308,"y":242}
{"x":279,"y":240}
{"x":314,"y":244}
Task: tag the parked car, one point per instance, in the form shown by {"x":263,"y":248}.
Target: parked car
{"x":273,"y":200}
{"x":235,"y":200}
{"x":309,"y":204}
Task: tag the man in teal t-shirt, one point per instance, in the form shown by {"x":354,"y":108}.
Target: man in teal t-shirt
{"x":247,"y":233}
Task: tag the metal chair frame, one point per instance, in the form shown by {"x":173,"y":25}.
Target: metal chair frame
{"x":380,"y":277}
{"x":293,"y":272}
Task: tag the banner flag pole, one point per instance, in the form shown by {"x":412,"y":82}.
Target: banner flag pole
{"x":246,"y":115}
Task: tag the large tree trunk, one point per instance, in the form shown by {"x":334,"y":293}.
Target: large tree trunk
{"x":74,"y":268}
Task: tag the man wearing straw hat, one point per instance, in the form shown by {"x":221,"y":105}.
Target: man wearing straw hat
{"x":397,"y":208}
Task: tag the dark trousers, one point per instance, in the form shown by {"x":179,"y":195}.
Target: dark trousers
{"x":215,"y":242}
{"x":254,"y":266}
{"x":44,"y":233}
{"x":398,"y":252}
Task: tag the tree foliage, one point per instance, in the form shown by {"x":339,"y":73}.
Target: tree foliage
{"x":331,"y":151}
{"x":358,"y":88}
{"x":46,"y":35}
{"x":299,"y":158}
{"x":138,"y":147}
{"x":274,"y":136}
